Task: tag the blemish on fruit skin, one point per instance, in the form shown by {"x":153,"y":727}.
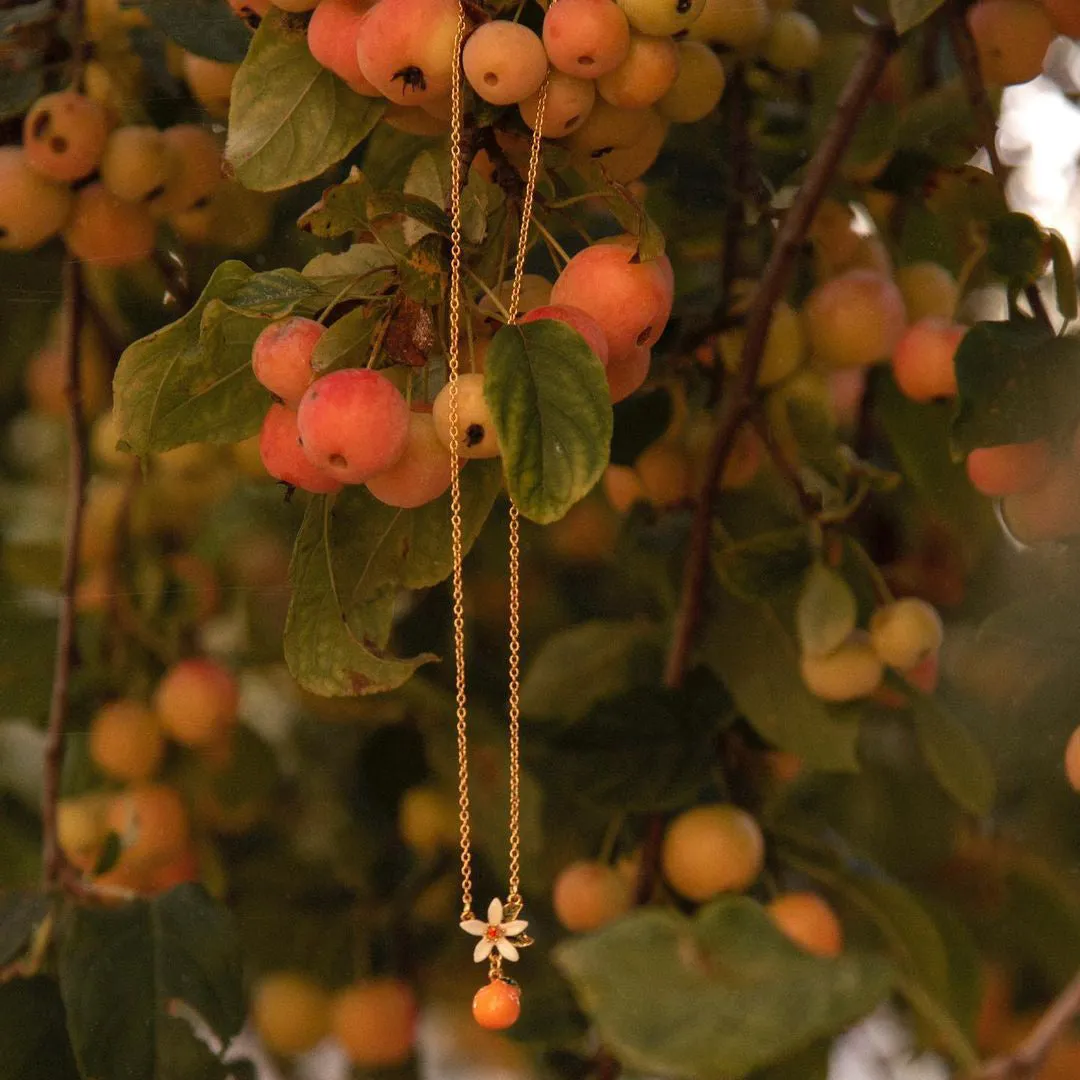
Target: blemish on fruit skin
{"x":412,"y":78}
{"x":474,"y":435}
{"x":41,"y":123}
{"x":338,"y":461}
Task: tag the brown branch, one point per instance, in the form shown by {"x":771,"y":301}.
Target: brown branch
{"x":1027,"y":1060}
{"x":735,"y":407}
{"x":53,"y":860}
{"x":982,"y":111}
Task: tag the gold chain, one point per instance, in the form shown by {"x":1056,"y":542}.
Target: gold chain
{"x":457,"y":544}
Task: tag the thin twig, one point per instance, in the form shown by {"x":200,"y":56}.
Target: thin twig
{"x":1027,"y":1060}
{"x":52,"y":855}
{"x":735,"y":407}
{"x":649,"y":870}
{"x":809,"y":504}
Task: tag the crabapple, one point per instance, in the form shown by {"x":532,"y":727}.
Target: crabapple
{"x":645,"y":75}
{"x":607,"y":128}
{"x":1065,"y":16}
{"x":504,"y":62}
{"x":631,"y":300}
{"x":624,"y":164}
{"x":197,"y":175}
{"x":1048,"y":511}
{"x":623,"y":487}
{"x":283,"y":457}
{"x":108,"y":231}
{"x":81,"y":827}
{"x":793,"y":42}
{"x":64,"y":135}
{"x":375,"y":1022}
{"x":924,"y":360}
{"x":152,"y":823}
{"x":197,"y":701}
{"x":32,"y":207}
{"x":210,"y":83}
{"x":711,"y":850}
{"x":588,"y":895}
{"x":137,"y":164}
{"x":586,"y":38}
{"x":353,"y":424}
{"x":421,"y":474}
{"x":784,"y":346}
{"x":281,"y":357}
{"x":661,"y":17}
{"x":497,"y":1005}
{"x":126,"y":741}
{"x":738,"y":25}
{"x":45,"y":377}
{"x":405,"y":48}
{"x":666,"y":474}
{"x":809,"y":922}
{"x":929,"y":290}
{"x":567,"y":105}
{"x":1072,"y":760}
{"x":697,"y":88}
{"x":290,"y":1012}
{"x":854,"y":320}
{"x":576,"y":319}
{"x":476,"y":431}
{"x":1011,"y":37}
{"x":628,"y":373}
{"x":251,"y":9}
{"x":905,"y":632}
{"x":427,"y":820}
{"x":295,"y":6}
{"x":1009,"y":469}
{"x":852,"y":671}
{"x":586,"y":534}
{"x":331,"y":38}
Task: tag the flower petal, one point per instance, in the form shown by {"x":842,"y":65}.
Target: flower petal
{"x":512,"y":929}
{"x":506,"y":950}
{"x":475,"y":926}
{"x":483,"y":949}
{"x":495,"y":912}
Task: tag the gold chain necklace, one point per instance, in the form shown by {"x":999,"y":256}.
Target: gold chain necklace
{"x":502,"y":933}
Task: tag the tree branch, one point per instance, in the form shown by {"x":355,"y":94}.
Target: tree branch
{"x":735,"y":407}
{"x":1027,"y":1060}
{"x":53,"y":860}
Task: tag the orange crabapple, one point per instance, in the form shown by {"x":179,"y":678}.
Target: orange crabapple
{"x":712,"y":849}
{"x":197,"y":701}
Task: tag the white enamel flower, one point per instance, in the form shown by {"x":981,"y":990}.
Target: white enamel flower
{"x":495,"y":934}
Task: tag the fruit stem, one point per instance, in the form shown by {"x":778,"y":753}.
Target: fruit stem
{"x":53,"y":861}
{"x":736,"y":406}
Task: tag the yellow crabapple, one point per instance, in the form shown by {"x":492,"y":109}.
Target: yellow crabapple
{"x":210,"y":83}
{"x":904,"y":632}
{"x":924,"y":360}
{"x":793,"y":42}
{"x":851,"y":672}
{"x":504,"y":62}
{"x":1011,"y":38}
{"x":697,"y":88}
{"x":929,"y":291}
{"x":567,"y":105}
{"x":666,"y":474}
{"x":710,"y":850}
{"x":137,"y":164}
{"x":476,"y":430}
{"x":645,"y":75}
{"x":1010,"y":469}
{"x":607,"y":128}
{"x":33,"y":208}
{"x":586,"y":38}
{"x":196,"y":154}
{"x":126,"y":741}
{"x":374,"y":1020}
{"x":738,"y":25}
{"x":809,"y":922}
{"x":854,"y":320}
{"x":81,"y":827}
{"x":421,"y":474}
{"x":64,"y":135}
{"x":197,"y":701}
{"x":427,"y":820}
{"x":785,"y":346}
{"x":588,"y":895}
{"x":625,"y":164}
{"x":661,"y":17}
{"x":290,"y":1012}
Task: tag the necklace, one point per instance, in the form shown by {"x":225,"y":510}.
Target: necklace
{"x":496,"y":1005}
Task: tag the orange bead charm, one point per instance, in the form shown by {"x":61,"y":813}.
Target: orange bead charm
{"x":497,"y":1005}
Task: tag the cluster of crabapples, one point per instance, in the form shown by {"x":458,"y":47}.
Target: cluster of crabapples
{"x":1012,"y":36}
{"x":354,"y":426}
{"x":618,"y":71}
{"x":194,"y":707}
{"x":105,"y":188}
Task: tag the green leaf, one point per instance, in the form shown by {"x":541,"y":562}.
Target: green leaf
{"x":123,"y":971}
{"x":352,"y":556}
{"x":207,"y":28}
{"x":955,"y":758}
{"x":358,"y":261}
{"x":21,"y":912}
{"x":430,"y":177}
{"x":907,"y":14}
{"x":809,"y":1064}
{"x":34,"y":1043}
{"x":1016,"y":248}
{"x":937,"y":125}
{"x":1017,"y":382}
{"x":549,"y":401}
{"x":756,"y":998}
{"x":348,"y":342}
{"x":749,"y":649}
{"x":826,"y":611}
{"x":290,"y":118}
{"x":766,"y":565}
{"x":275,"y":294}
{"x":1065,"y":285}
{"x":191,"y":381}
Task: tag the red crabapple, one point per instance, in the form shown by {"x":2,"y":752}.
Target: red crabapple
{"x":697,"y":88}
{"x":576,"y":319}
{"x":32,"y":208}
{"x":905,"y":632}
{"x":283,"y":457}
{"x":476,"y":431}
{"x":281,"y":357}
{"x":628,"y":373}
{"x":504,"y":62}
{"x":353,"y":424}
{"x":405,"y":48}
{"x":630,"y":300}
{"x":421,"y":474}
{"x":108,"y":231}
{"x":661,"y":17}
{"x":567,"y":106}
{"x":588,"y":895}
{"x":586,"y":38}
{"x":64,"y":135}
{"x":645,"y":75}
{"x":197,"y":701}
{"x":855,"y":319}
{"x":1011,"y":469}
{"x":331,"y":38}
{"x":923,"y":361}
{"x":1011,"y":37}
